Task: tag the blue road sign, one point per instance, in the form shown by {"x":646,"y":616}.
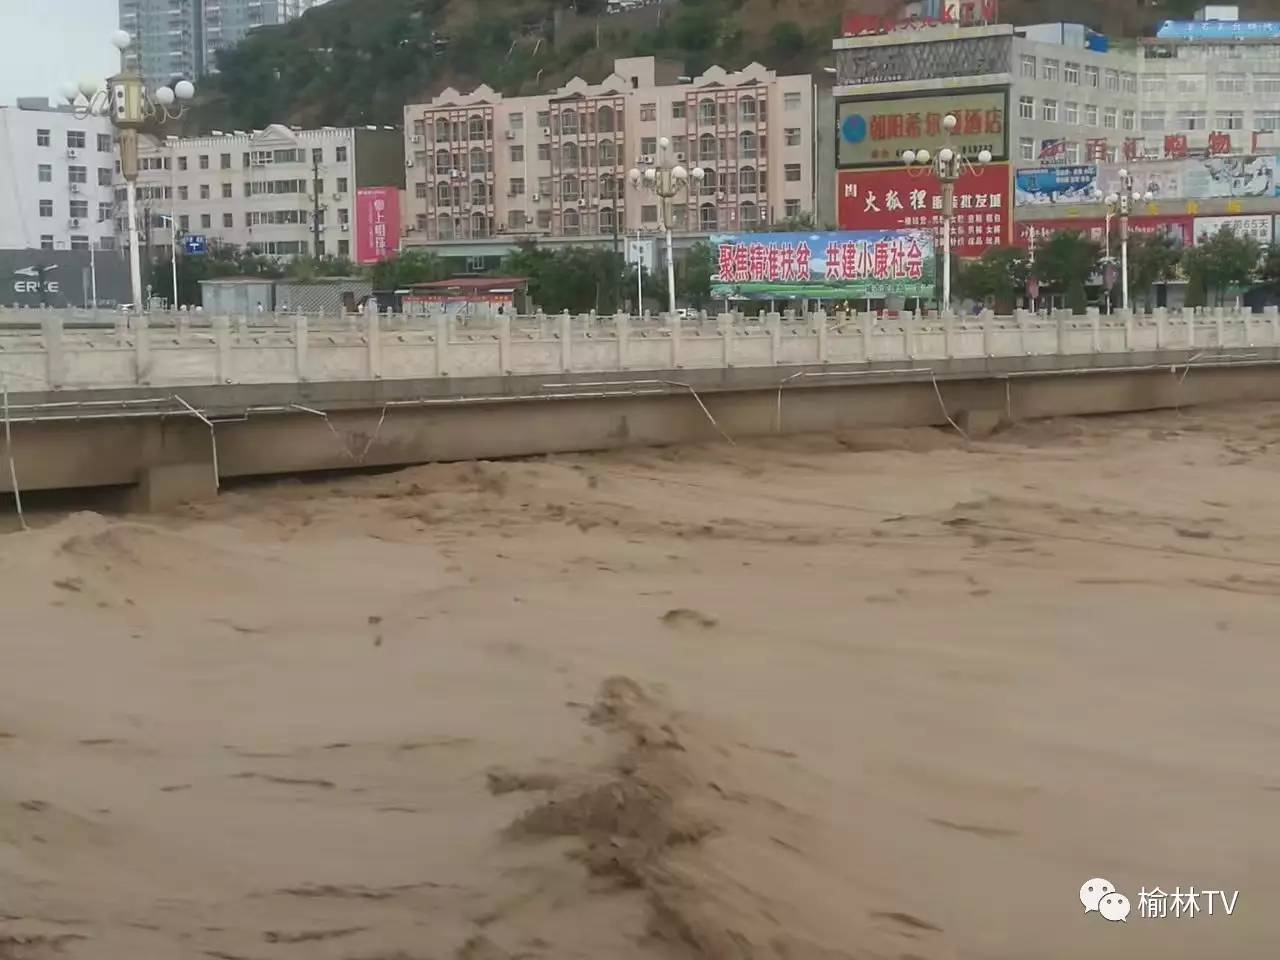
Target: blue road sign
{"x":194,"y":244}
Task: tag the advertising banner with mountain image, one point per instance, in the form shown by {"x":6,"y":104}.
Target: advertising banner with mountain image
{"x":858,"y":264}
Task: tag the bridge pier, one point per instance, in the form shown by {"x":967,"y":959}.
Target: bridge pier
{"x":167,"y":485}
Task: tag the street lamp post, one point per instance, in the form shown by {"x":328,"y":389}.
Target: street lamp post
{"x":1118,"y":204}
{"x":128,"y":105}
{"x":665,"y":181}
{"x":948,"y":166}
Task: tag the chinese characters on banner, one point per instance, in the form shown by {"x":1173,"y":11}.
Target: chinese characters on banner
{"x":823,"y":265}
{"x":902,"y":200}
{"x":1177,"y":228}
{"x":377,"y":223}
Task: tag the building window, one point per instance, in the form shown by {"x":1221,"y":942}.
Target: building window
{"x":517,"y":154}
{"x":1230,"y":120}
{"x":1049,"y":111}
{"x":1266,"y":83}
{"x":1071,"y":72}
{"x":1129,"y":81}
{"x":1090,"y":114}
{"x":226,"y":161}
{"x":648,"y":146}
{"x":648,"y":111}
{"x":677,"y":110}
{"x":707,"y":218}
{"x":184,"y":222}
{"x":1026,"y":108}
{"x":515,"y":121}
{"x":747,"y":180}
{"x":183,"y":193}
{"x":544,"y":118}
{"x":1091,"y":76}
{"x":707,"y":111}
{"x":1192,"y":120}
{"x":204,"y":161}
{"x":1028,"y":66}
{"x":342,"y":186}
{"x":344,"y":216}
{"x":793,"y":136}
{"x":317,"y":156}
{"x":607,"y":156}
{"x":791,"y":173}
{"x":544,"y":151}
{"x":75,"y":139}
{"x":420,"y":190}
{"x":1191,"y":84}
{"x":1073,"y":152}
{"x":649,"y":213}
{"x":79,"y":209}
{"x":747,"y":110}
{"x":206,"y":220}
{"x":1049,"y":70}
{"x":1026,"y":148}
{"x":791,"y":209}
{"x":104,"y":212}
{"x":1070,"y":112}
{"x":344,"y":248}
{"x":544,"y":186}
{"x":104,"y":143}
{"x":46,"y":239}
{"x":516,"y":187}
{"x":1109,"y":118}
{"x":77,"y":174}
{"x":228,"y":220}
{"x":104,"y":176}
{"x":42,"y":140}
{"x":46,"y":208}
{"x":1231,"y":83}
{"x":1112,"y":81}
{"x":44,"y":173}
{"x":1152,"y":120}
{"x":1127,"y":120}
{"x":515,"y":219}
{"x":340,"y":154}
{"x":79,"y":242}
{"x":747,"y":144}
{"x":544,"y":219}
{"x":1267,"y":120}
{"x":204,"y":191}
{"x":226,"y":191}
{"x":791,"y":101}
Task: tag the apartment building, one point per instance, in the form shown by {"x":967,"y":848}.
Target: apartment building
{"x":181,"y":38}
{"x":56,"y":175}
{"x":485,"y":168}
{"x":279,"y":191}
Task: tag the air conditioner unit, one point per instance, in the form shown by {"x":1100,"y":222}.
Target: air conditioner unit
{"x":546,"y":131}
{"x":511,"y":134}
{"x":72,"y":154}
{"x":719,"y":194}
{"x":346,"y":228}
{"x":73,"y":222}
{"x":415,"y":139}
{"x":680,"y":157}
{"x":582,"y":202}
{"x":408,"y":162}
{"x":454,"y":174}
{"x":74,"y":188}
{"x":337,"y":196}
{"x":537,"y":197}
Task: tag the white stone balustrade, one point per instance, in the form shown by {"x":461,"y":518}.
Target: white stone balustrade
{"x":51,"y":350}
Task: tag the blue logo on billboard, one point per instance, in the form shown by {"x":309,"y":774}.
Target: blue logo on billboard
{"x":854,"y":128}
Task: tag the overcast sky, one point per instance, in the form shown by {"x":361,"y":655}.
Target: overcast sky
{"x":50,"y":41}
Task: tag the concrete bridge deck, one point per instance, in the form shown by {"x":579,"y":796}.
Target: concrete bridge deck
{"x":181,"y":402}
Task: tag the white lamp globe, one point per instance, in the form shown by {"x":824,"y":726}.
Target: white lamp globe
{"x":908,"y":157}
{"x":698,"y":173}
{"x":69,"y":92}
{"x":664,"y":143}
{"x":1148,"y":196}
{"x":1137,"y":195}
{"x":946,"y":155}
{"x":923,"y":156}
{"x":984,"y":156}
{"x":164,"y":96}
{"x":89,"y":86}
{"x":634,"y":176}
{"x":1124,"y":174}
{"x":949,"y":122}
{"x":650,"y":175}
{"x":680,"y":173}
{"x":1112,"y":198}
{"x":121,"y":40}
{"x":184,"y":89}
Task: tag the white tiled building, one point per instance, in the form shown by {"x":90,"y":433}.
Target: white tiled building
{"x":485,"y":167}
{"x":258,"y":190}
{"x":56,"y":177}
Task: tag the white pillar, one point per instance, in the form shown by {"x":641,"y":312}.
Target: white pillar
{"x":135,"y":263}
{"x":671,"y":276}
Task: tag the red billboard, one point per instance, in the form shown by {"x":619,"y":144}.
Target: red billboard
{"x":377,"y":223}
{"x":900,"y":198}
{"x":1181,"y":229}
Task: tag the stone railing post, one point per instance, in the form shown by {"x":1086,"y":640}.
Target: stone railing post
{"x":301,"y":342}
{"x":1095,"y":328}
{"x":504,"y":343}
{"x":1220,"y":321}
{"x":1273,"y":315}
{"x":142,"y":348}
{"x":819,"y":320}
{"x":868,"y":334}
{"x":1060,"y":322}
{"x":566,"y":342}
{"x":221,"y":329}
{"x":1190,"y":315}
{"x":373,"y":344}
{"x":908,"y":321}
{"x":774,"y":326}
{"x":442,"y":344}
{"x":54,"y":350}
{"x":122,"y":327}
{"x":724,"y":326}
{"x":1161,"y":317}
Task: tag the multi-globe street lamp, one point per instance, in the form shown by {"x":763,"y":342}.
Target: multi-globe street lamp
{"x":948,"y":165}
{"x":1118,"y":204}
{"x":126,"y":103}
{"x":665,"y":181}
